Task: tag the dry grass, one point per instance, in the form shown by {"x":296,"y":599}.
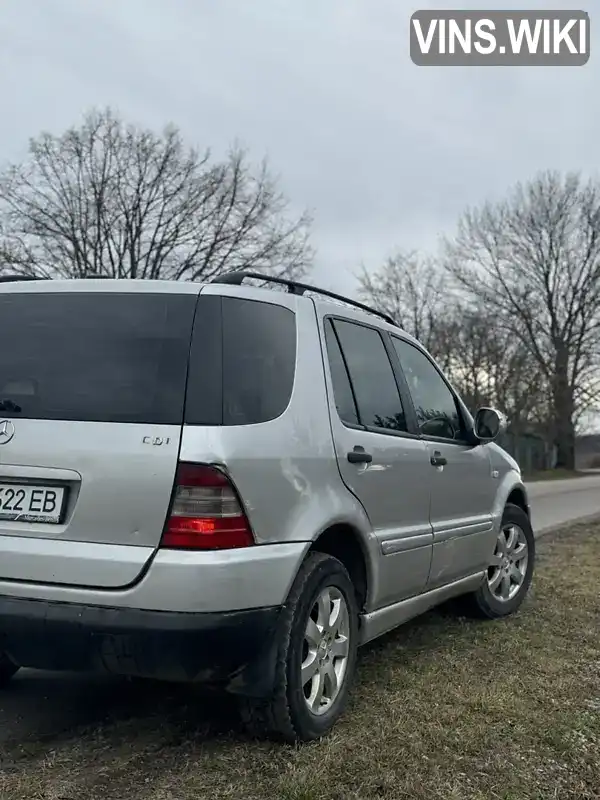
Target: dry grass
{"x":444,"y":708}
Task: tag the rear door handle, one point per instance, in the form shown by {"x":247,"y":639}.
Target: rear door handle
{"x":359,"y":456}
{"x":438,"y":460}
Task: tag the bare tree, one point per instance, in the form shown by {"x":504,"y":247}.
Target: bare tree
{"x":490,"y":366}
{"x":410,"y":289}
{"x":111,"y":199}
{"x":14,"y":255}
{"x":484,"y":360}
{"x":534,"y":261}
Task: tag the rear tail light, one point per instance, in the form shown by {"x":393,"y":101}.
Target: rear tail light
{"x":206,"y":513}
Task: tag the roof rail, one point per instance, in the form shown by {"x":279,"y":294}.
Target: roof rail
{"x":14,"y":278}
{"x":295,"y":287}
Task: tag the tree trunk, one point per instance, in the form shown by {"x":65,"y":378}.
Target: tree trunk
{"x":565,"y":446}
{"x":564,"y":412}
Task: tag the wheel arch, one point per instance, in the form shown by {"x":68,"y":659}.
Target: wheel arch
{"x":510,"y":491}
{"x":344,"y":541}
{"x":518,"y":497}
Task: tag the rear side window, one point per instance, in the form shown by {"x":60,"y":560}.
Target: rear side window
{"x":97,"y":357}
{"x":242,"y":363}
{"x":370,"y":370}
{"x":342,"y":389}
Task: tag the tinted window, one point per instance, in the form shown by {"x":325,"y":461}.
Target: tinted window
{"x":377,"y":396}
{"x":342,"y":390}
{"x":242,"y":363}
{"x":437,"y":414}
{"x":204,"y":400}
{"x":101,"y":357}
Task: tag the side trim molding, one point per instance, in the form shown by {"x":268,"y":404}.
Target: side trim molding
{"x":443,"y":534}
{"x":376,"y":623}
{"x":401,"y":544}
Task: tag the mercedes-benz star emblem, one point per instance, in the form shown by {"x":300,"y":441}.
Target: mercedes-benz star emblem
{"x":7,"y":431}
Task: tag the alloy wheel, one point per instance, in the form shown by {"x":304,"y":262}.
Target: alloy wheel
{"x":508,"y":568}
{"x":325,"y":651}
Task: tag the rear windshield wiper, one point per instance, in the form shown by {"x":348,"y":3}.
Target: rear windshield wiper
{"x":8,"y":405}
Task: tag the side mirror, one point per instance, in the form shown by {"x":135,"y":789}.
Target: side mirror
{"x":489,"y":424}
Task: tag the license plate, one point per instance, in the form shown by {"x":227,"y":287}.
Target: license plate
{"x":30,"y":503}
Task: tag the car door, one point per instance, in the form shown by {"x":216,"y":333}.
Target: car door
{"x":381,"y":463}
{"x":462,"y":485}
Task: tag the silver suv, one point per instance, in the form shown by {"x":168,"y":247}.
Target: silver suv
{"x":239,"y":486}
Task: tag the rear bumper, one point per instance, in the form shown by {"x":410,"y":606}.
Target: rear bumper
{"x":193,"y":582}
{"x":228,"y":647}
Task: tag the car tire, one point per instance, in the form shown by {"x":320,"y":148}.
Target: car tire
{"x":487,"y":602}
{"x":293,"y":713}
{"x":7,"y":669}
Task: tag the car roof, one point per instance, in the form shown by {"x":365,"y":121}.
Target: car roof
{"x":324,"y":305}
{"x":101,"y":285}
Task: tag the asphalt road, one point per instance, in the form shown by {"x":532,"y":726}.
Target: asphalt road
{"x":554,"y":503}
{"x":40,"y":709}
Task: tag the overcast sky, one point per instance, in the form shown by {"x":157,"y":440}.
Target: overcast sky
{"x":385,"y":154}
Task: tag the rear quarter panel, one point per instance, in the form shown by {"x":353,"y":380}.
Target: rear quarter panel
{"x":286,"y":470}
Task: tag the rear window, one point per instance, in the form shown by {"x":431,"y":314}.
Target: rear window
{"x":242,"y":363}
{"x":98,"y":357}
